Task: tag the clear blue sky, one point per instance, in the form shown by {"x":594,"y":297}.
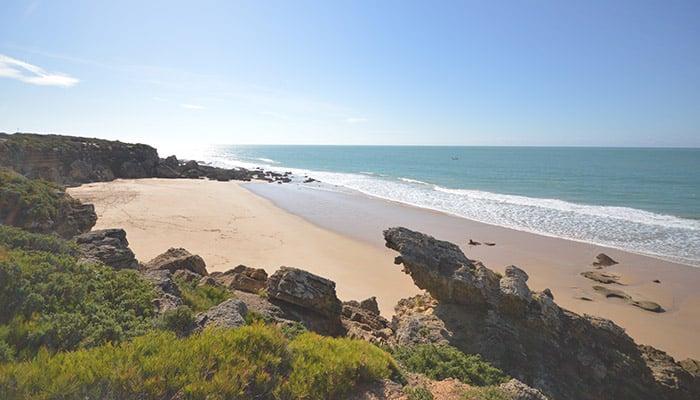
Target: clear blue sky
{"x":601,"y":73}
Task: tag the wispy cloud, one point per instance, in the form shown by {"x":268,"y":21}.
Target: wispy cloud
{"x":28,"y":73}
{"x":193,"y":107}
{"x":356,"y":120}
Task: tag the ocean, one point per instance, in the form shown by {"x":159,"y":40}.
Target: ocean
{"x":644,"y":200}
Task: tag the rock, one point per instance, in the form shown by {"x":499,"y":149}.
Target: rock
{"x":370,"y":305}
{"x":312,"y":294}
{"x":304,"y":289}
{"x":208,"y":281}
{"x":643,"y":304}
{"x":178,"y":259}
{"x":186,"y":275}
{"x":163,"y":281}
{"x":515,"y":295}
{"x":244,"y":278}
{"x":560,"y":353}
{"x":612,"y":293}
{"x":517,"y":390}
{"x":229,"y":314}
{"x":691,"y":366}
{"x":108,"y":246}
{"x":442,"y":269}
{"x":74,"y":160}
{"x":647,"y":305}
{"x":42,"y":207}
{"x":673,"y":376}
{"x":362,"y":320}
{"x":166,"y":303}
{"x":601,"y":277}
{"x":603,"y":260}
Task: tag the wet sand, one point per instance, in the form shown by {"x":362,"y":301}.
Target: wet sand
{"x":339,"y":236}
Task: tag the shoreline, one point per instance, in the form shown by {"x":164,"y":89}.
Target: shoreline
{"x":344,"y":243}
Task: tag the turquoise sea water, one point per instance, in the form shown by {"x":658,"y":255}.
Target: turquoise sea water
{"x":639,"y":199}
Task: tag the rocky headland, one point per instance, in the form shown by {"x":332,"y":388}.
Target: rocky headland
{"x":70,"y":160}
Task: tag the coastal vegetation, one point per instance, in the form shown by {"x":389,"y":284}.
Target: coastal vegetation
{"x":254,"y":361}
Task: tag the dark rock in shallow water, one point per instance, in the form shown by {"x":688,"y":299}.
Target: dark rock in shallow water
{"x":562,"y":354}
{"x":108,"y":246}
{"x":178,"y":259}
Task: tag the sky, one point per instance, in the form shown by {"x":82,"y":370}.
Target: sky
{"x":519,"y":73}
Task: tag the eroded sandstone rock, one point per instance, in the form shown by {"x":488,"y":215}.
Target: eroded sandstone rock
{"x":108,"y":246}
{"x":178,"y":259}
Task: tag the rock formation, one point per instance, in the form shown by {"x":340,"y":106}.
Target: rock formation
{"x":108,"y":246}
{"x":70,"y":160}
{"x":311,"y":297}
{"x":243,"y":278}
{"x":42,"y":207}
{"x":177,"y":259}
{"x":563,"y":354}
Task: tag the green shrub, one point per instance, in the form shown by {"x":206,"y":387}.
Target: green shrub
{"x":202,"y":298}
{"x":324,"y":367}
{"x":29,"y":203}
{"x":52,"y":301}
{"x":16,"y":238}
{"x":417,"y":393}
{"x":253,"y":361}
{"x":179,"y":320}
{"x":441,"y":362}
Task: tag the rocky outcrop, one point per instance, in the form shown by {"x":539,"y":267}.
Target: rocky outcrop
{"x":442,"y":269}
{"x":108,"y":246}
{"x":310,"y":299}
{"x":562,"y":354}
{"x":177,"y":259}
{"x":243,"y":278}
{"x":229,"y":314}
{"x":74,"y":160}
{"x":362,"y":320}
{"x":42,"y":207}
{"x":71,"y":160}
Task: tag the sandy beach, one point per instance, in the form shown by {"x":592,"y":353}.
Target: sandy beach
{"x":338,"y":236}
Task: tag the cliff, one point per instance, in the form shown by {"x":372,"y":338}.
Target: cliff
{"x":526,"y":334}
{"x":70,"y":160}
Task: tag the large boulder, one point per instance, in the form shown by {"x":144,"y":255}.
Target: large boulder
{"x":177,"y":259}
{"x":309,"y":294}
{"x":525,"y":333}
{"x":108,"y":246}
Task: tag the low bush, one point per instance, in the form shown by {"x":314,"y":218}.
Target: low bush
{"x":202,"y":298}
{"x":52,"y":301}
{"x":254,"y":361}
{"x":441,"y":362}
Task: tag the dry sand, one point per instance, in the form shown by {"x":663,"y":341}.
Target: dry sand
{"x":339,"y":237}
